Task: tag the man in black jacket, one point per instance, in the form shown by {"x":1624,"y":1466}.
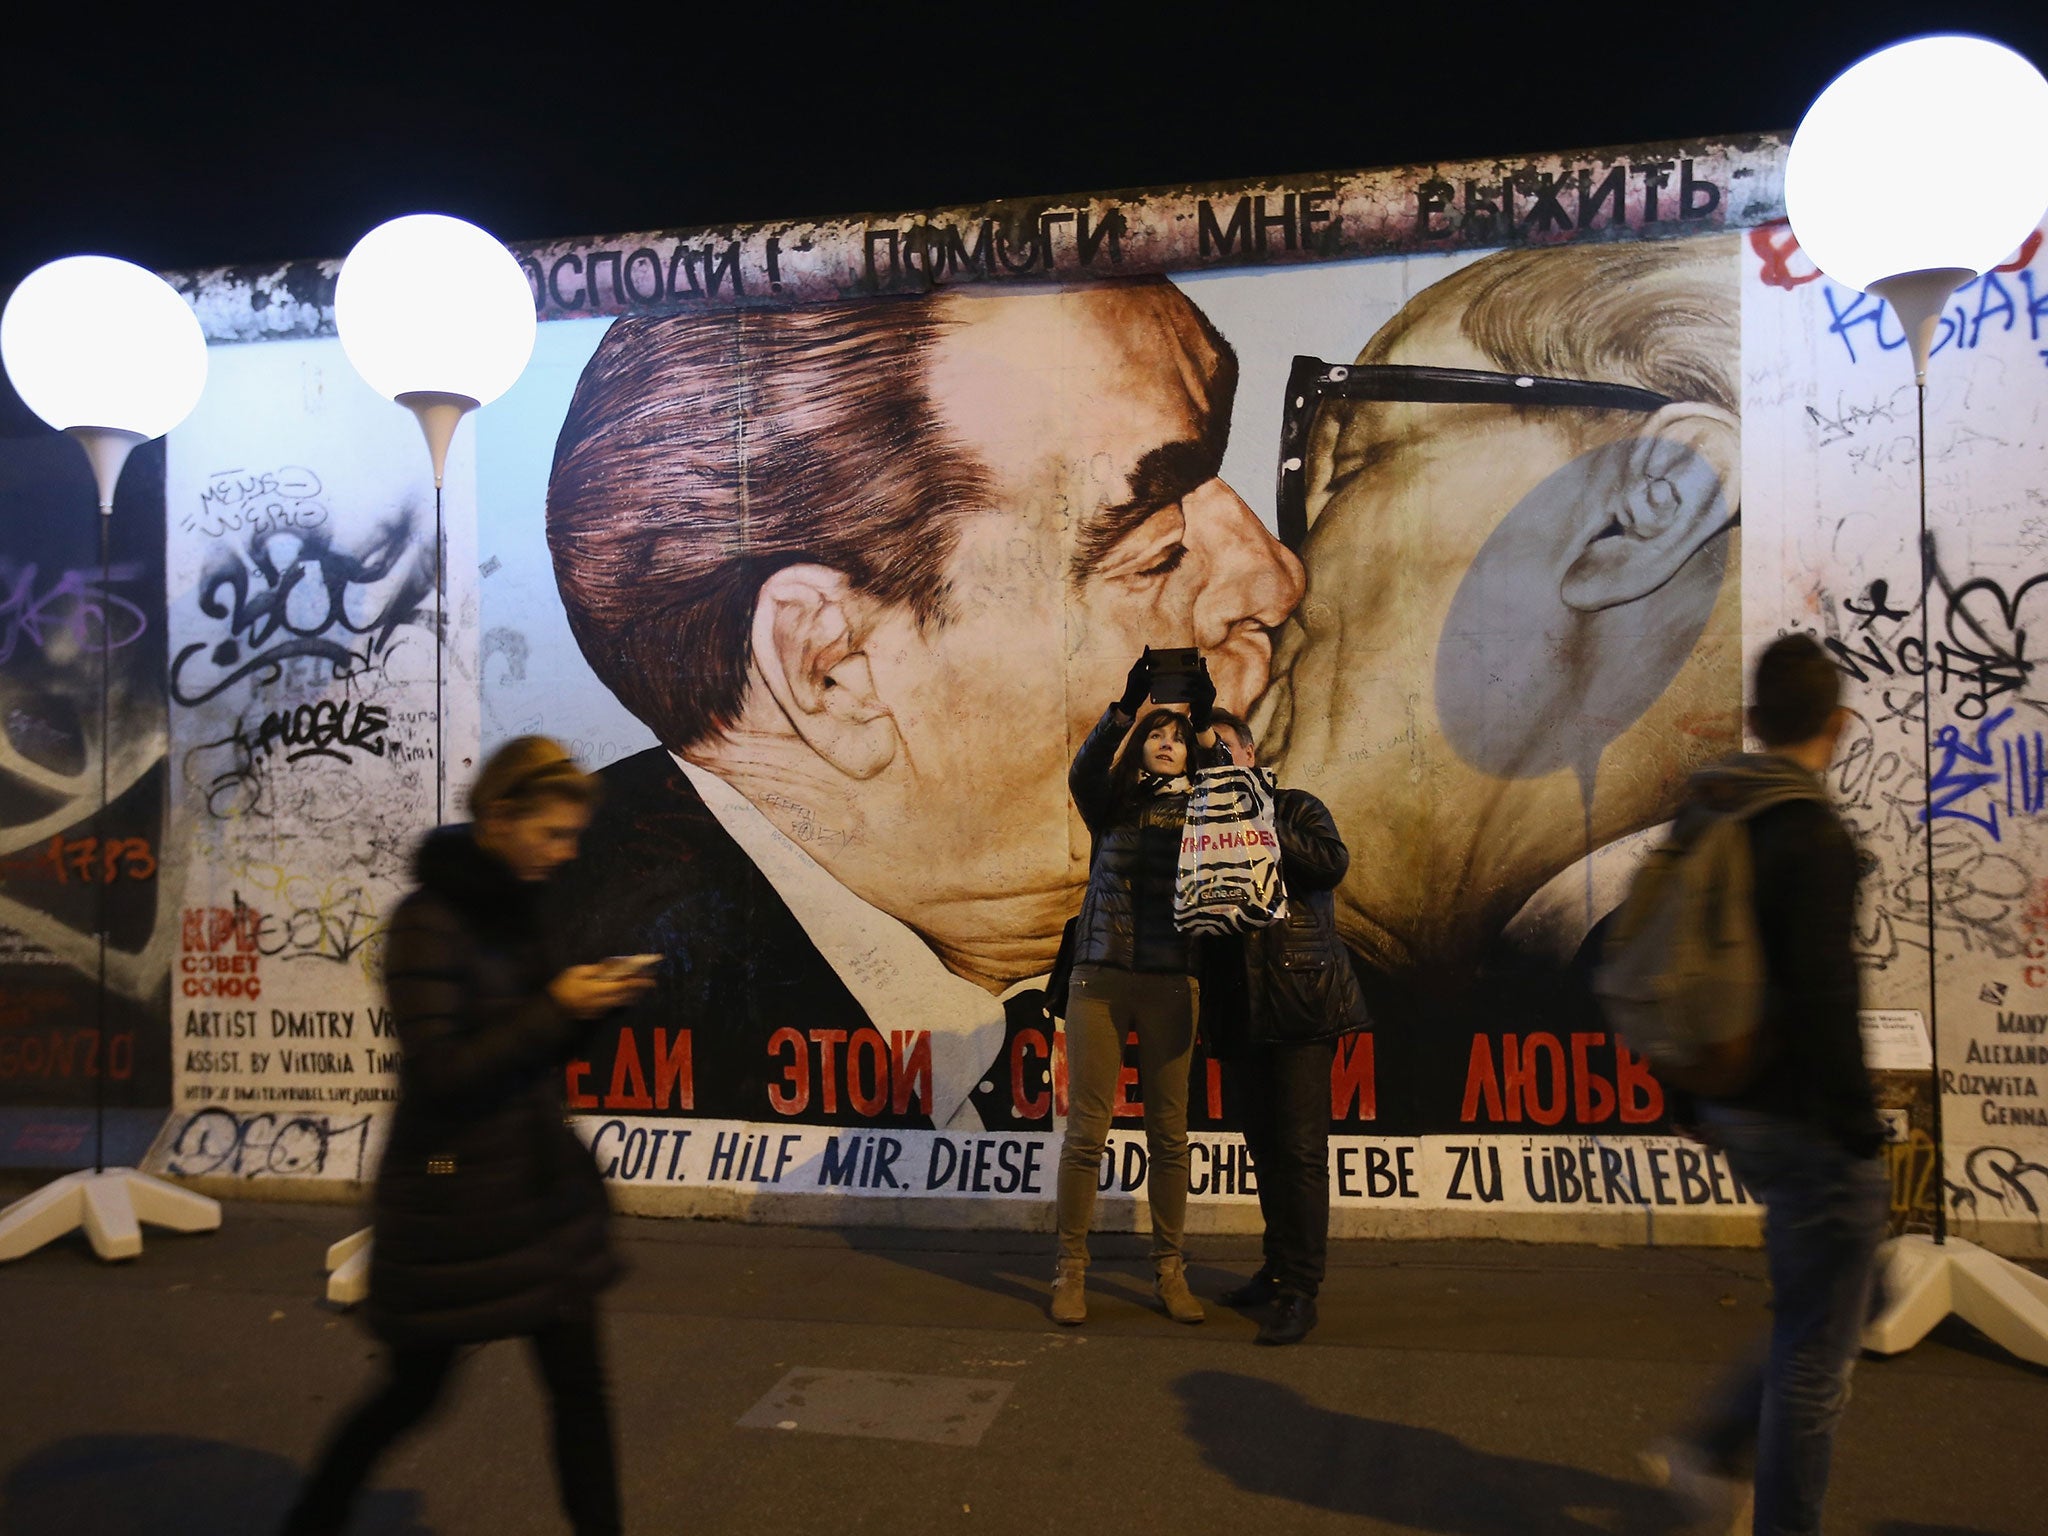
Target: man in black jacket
{"x":1273,"y":1005}
{"x":1804,"y":1134}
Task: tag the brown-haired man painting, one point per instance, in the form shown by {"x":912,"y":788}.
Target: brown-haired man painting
{"x":868,"y":571}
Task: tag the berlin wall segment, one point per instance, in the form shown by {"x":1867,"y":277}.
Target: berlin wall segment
{"x":301,"y":624}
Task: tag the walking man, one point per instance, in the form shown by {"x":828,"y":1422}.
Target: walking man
{"x":1804,"y":1134}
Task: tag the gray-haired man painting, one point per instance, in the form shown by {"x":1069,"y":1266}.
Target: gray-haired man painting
{"x":1518,"y":511}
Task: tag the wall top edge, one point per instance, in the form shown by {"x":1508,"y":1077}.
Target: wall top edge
{"x":1665,"y":190}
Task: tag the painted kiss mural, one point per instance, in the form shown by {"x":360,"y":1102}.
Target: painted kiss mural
{"x":830,"y":579}
{"x":869,"y":572}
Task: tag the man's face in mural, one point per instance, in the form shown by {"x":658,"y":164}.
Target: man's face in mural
{"x":1518,"y":634}
{"x":943,"y":748}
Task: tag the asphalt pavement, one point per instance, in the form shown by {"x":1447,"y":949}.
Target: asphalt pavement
{"x":799,"y":1380}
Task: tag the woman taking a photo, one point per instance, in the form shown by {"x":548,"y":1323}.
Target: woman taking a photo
{"x":1133,"y":970}
{"x":489,"y":1216}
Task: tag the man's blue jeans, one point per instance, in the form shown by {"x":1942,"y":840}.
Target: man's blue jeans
{"x":1824,"y":1217}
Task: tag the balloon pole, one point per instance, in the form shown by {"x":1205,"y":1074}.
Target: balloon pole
{"x":1926,"y":1279}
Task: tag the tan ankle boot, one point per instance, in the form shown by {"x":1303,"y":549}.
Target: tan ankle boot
{"x":1069,"y":1293}
{"x":1170,"y":1285}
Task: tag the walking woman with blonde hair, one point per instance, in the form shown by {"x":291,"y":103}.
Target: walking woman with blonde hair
{"x":489,"y":1215}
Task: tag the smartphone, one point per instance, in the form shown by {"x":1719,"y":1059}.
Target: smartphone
{"x":1174,"y":672}
{"x":626,"y":967}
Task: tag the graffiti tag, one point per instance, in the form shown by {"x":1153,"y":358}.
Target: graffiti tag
{"x":74,"y":605}
{"x":280,"y":610}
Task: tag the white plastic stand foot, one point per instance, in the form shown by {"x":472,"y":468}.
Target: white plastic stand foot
{"x":348,"y":1269}
{"x":1925,"y":1282}
{"x":111,"y":1205}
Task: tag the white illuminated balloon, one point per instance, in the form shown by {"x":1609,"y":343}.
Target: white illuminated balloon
{"x":92,"y":341}
{"x":1929,"y":155}
{"x":427,"y":304}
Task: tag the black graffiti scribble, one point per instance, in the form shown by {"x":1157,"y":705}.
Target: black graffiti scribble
{"x":338,"y":927}
{"x":2003,"y":1174}
{"x":249,"y":785}
{"x":75,"y":602}
{"x":1976,"y":893}
{"x":332,"y":729}
{"x":1962,"y":1200}
{"x":1979,"y":891}
{"x":1979,"y":643}
{"x":1852,"y":419}
{"x":260,"y":595}
{"x":323,"y":729}
{"x":2005,"y":652}
{"x":219,"y":1141}
{"x":278,"y":500}
{"x":1877,"y":604}
{"x":1975,"y":676}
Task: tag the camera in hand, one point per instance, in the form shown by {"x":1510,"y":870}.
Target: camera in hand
{"x":1174,"y":673}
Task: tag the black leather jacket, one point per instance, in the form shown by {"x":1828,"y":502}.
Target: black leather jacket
{"x":1127,"y":914}
{"x":1291,"y":982}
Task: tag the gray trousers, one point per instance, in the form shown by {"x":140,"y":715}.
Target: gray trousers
{"x":1105,"y":1004}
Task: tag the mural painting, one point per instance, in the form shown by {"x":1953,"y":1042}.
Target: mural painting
{"x":827,"y":543}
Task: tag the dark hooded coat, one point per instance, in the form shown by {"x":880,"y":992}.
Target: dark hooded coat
{"x":490,"y":1217}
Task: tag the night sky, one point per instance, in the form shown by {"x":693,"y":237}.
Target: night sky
{"x":208,"y":136}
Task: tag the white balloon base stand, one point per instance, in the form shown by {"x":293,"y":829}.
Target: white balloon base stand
{"x":1926,"y":1281}
{"x":111,"y":1205}
{"x":348,"y":1269}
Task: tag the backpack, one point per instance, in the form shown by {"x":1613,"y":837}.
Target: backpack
{"x":1681,"y":974}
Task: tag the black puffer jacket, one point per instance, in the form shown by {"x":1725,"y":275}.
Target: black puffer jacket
{"x":490,"y":1215}
{"x":1290,"y":982}
{"x":1127,"y":914}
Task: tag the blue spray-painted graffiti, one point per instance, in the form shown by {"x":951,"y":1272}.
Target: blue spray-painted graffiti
{"x":1982,"y":302}
{"x":1960,"y":771}
{"x":2026,"y":774}
{"x":2012,"y":772}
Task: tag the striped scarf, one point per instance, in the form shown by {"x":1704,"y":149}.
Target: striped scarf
{"x":1150,"y":783}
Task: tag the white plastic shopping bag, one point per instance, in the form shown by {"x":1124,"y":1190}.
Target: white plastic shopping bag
{"x":1229,"y":877}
